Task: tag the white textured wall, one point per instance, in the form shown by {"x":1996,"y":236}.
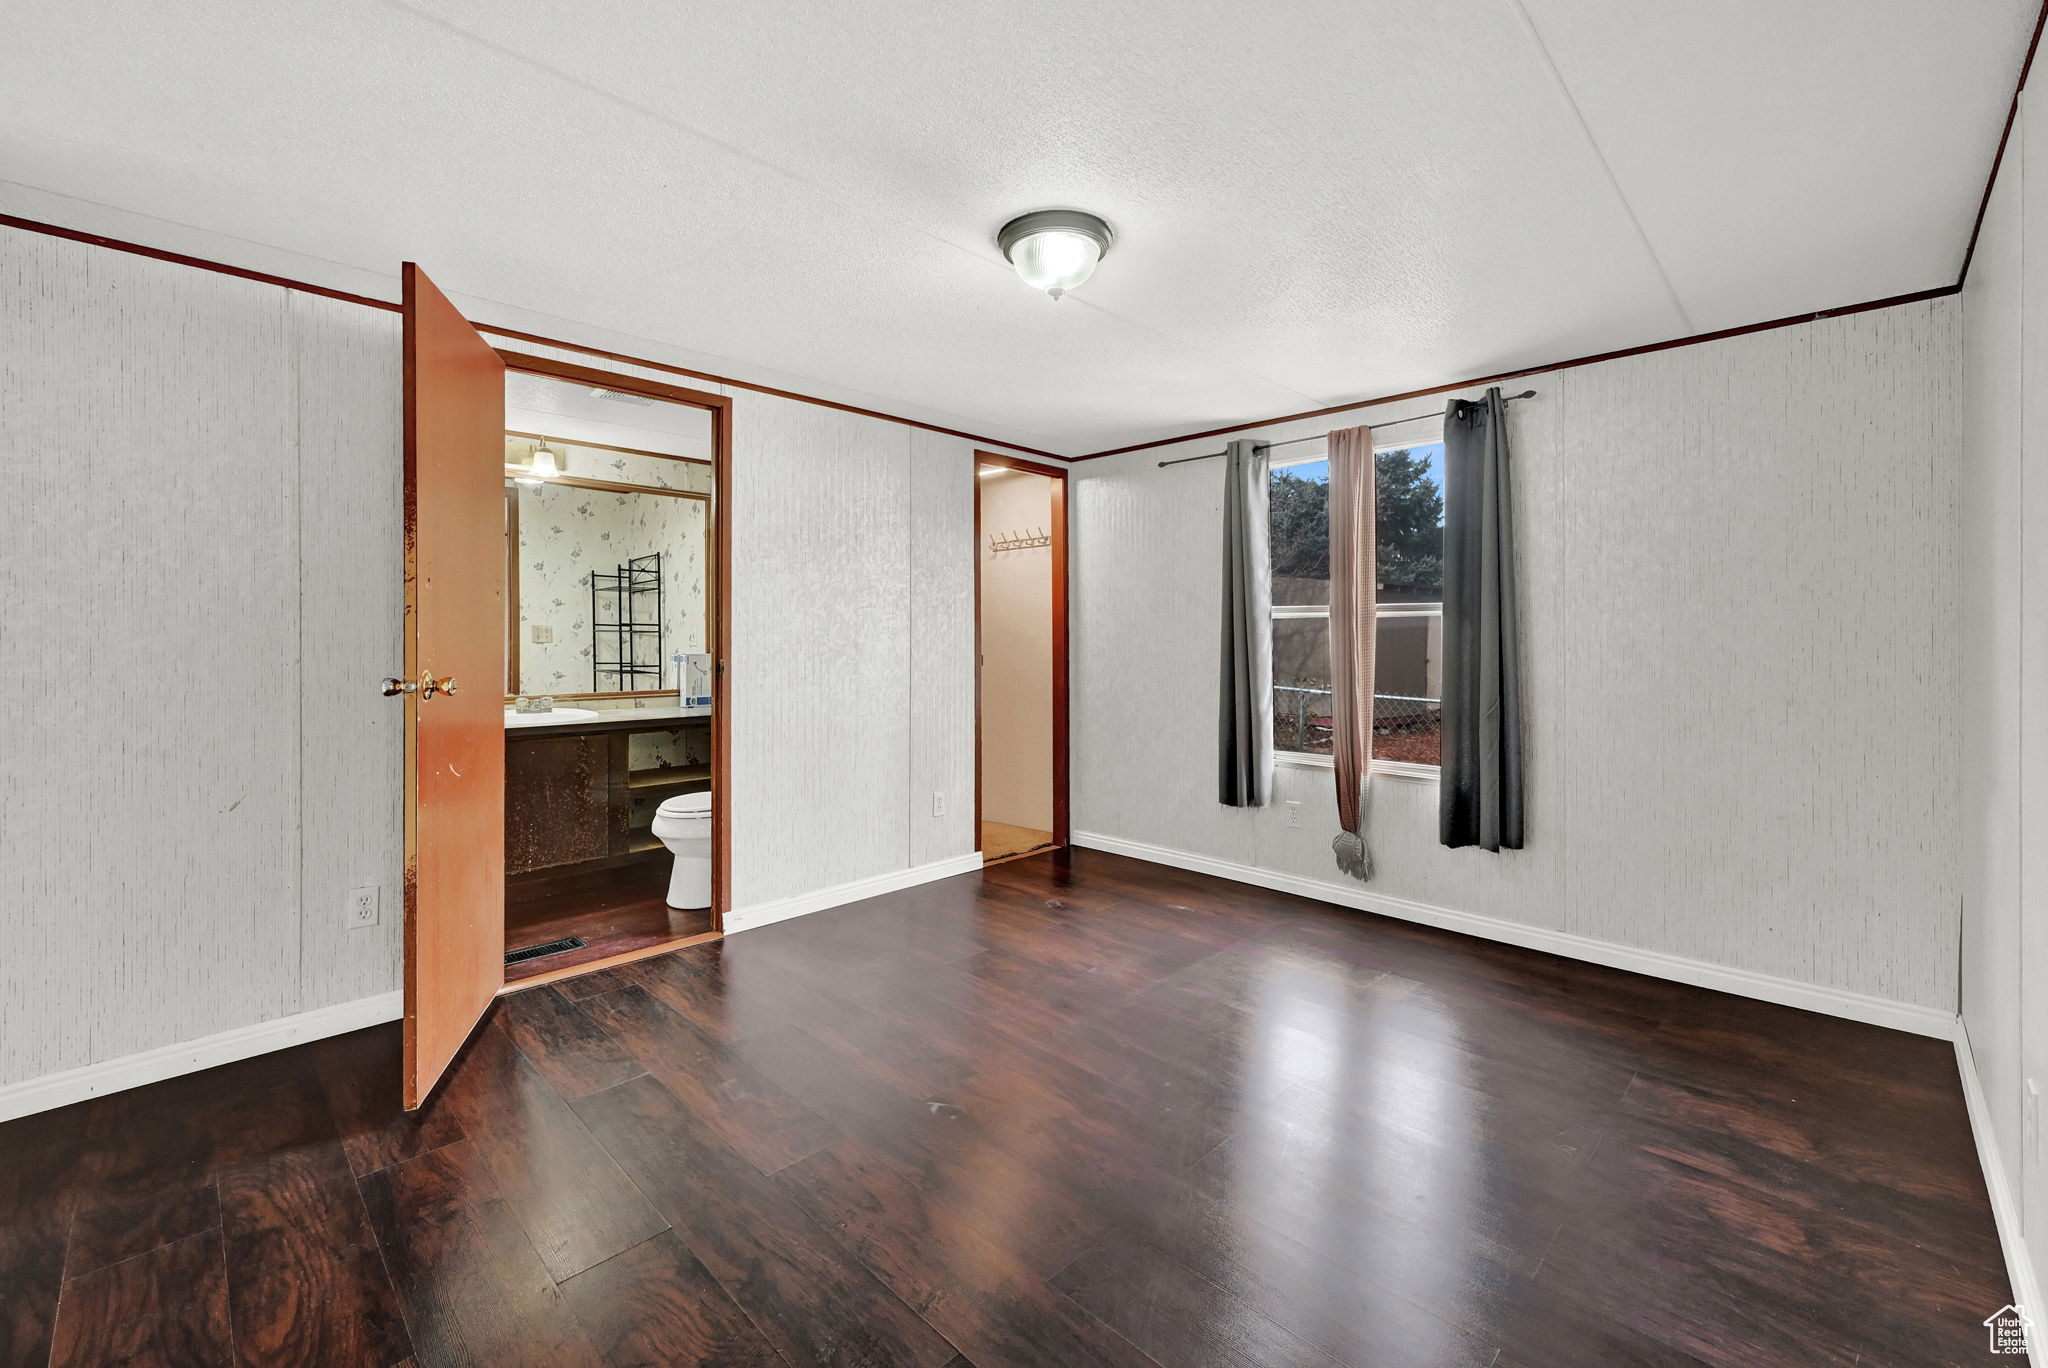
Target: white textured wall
{"x":1739,"y":582}
{"x":212,"y":466}
{"x":208,"y":767}
{"x":2005,"y":656}
{"x":2033,"y":660}
{"x":351,"y":438}
{"x":941,"y":603}
{"x":1990,"y":703}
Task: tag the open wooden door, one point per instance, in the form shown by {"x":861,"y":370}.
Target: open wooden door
{"x":454,"y":681}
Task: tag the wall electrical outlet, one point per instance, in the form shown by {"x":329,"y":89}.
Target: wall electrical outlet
{"x":1294,"y":814}
{"x":938,"y":803}
{"x":543,"y":636}
{"x":362,"y":909}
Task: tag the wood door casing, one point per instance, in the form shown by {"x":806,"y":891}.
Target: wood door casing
{"x":721,"y":577}
{"x":1062,"y":825}
{"x":454,"y":628}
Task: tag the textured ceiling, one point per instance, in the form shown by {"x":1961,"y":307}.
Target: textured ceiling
{"x":1316,"y":202}
{"x":572,"y":412}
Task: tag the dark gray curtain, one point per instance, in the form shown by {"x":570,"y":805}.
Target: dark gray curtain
{"x":1480,"y":799}
{"x":1245,"y":693}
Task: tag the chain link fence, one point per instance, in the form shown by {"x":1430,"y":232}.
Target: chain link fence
{"x":1404,"y":727}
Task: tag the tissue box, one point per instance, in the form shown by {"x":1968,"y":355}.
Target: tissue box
{"x":696,"y":680}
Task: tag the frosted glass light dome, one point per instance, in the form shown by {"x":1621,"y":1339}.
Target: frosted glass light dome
{"x":1055,"y":250}
{"x":540,"y":469}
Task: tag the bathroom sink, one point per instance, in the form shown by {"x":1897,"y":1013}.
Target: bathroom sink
{"x":553,"y":718}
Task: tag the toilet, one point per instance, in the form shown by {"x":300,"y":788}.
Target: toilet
{"x":683,"y":824}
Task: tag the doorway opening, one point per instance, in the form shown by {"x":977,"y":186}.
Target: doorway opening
{"x":614,"y":593}
{"x":476,"y":418}
{"x":1020,"y":626}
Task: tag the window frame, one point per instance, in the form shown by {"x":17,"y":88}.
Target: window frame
{"x":1390,"y":769}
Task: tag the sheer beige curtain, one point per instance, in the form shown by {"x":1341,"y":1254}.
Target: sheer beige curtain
{"x":1354,"y":607}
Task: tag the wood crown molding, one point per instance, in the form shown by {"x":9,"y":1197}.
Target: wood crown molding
{"x":1791,"y":320}
{"x":1694,"y":339}
{"x":285,"y":282}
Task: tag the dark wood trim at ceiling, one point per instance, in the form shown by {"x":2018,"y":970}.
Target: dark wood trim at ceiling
{"x":1792,"y":320}
{"x":1061,"y":807}
{"x":2012,"y":114}
{"x":198,"y":263}
{"x":286,"y":282}
{"x":757,"y":389}
{"x":721,"y":587}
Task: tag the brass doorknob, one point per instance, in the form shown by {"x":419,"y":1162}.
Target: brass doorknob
{"x":426,"y":686}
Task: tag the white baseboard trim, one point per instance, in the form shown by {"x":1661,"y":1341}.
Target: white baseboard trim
{"x":1900,"y":1016}
{"x":2019,"y":1265}
{"x":152,"y":1066}
{"x":782,"y":909}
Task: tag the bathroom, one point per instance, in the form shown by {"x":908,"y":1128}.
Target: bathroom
{"x":610,"y":628}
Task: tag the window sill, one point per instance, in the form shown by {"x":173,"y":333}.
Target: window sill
{"x":1383,"y":769}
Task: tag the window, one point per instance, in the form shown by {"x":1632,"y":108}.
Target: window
{"x":1407,"y":703}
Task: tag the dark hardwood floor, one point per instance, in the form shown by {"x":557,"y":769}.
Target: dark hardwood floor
{"x":612,"y":910}
{"x":1071,"y":1110}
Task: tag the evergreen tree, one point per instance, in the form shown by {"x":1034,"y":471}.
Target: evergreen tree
{"x":1410,"y":524}
{"x":1299,"y":522}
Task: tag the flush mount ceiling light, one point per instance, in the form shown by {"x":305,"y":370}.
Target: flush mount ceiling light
{"x":1055,"y":250}
{"x":541,"y":469}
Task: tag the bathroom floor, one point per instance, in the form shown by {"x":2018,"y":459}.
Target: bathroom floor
{"x":614,"y":911}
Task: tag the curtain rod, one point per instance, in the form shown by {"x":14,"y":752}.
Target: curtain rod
{"x":1391,"y":422}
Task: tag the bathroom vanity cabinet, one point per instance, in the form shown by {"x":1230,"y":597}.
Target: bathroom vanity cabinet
{"x":571,"y":789}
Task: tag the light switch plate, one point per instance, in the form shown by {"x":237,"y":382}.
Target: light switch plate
{"x":543,"y":636}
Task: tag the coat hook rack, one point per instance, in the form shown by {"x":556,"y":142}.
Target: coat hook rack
{"x":1019,"y":541}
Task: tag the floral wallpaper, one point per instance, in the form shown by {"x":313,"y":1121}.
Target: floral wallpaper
{"x":567,"y":532}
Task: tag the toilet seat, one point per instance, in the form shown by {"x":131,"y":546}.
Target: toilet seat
{"x":686,"y":805}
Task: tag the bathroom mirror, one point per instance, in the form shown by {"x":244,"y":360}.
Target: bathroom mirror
{"x":607,"y":539}
{"x":607,"y":572}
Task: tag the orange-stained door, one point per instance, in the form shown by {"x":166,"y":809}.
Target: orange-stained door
{"x":454,"y":681}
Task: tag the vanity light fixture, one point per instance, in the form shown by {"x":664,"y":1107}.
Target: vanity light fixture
{"x":542,"y":468}
{"x":1055,"y":250}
